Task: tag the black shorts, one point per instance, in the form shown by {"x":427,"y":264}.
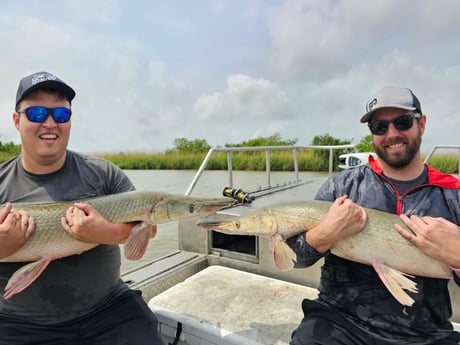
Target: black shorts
{"x":127,"y":320}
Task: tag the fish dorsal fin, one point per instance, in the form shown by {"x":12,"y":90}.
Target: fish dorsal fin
{"x":396,"y":282}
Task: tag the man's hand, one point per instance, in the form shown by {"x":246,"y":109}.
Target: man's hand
{"x":344,"y":218}
{"x":436,"y":237}
{"x":16,"y":227}
{"x":86,"y":224}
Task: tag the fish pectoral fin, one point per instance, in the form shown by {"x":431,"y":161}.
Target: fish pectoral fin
{"x":138,"y":241}
{"x":396,"y":282}
{"x":283,"y":255}
{"x":25,"y":276}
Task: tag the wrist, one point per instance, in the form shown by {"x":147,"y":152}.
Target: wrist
{"x":316,"y":242}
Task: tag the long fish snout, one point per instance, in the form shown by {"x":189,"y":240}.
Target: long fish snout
{"x":211,"y":205}
{"x":230,"y":228}
{"x":208,"y":224}
{"x":219,"y":222}
{"x":176,"y":208}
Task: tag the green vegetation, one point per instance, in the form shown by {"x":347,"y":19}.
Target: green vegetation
{"x":328,"y":140}
{"x":447,"y":163}
{"x":273,"y":140}
{"x":188,"y":154}
{"x":8,"y":150}
{"x":365,"y":144}
{"x":281,"y":160}
{"x":185,"y":146}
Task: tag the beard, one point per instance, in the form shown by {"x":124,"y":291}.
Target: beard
{"x":401,"y":159}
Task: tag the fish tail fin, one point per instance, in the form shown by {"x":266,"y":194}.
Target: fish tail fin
{"x":396,"y":282}
{"x":138,"y":241}
{"x":283,"y":255}
{"x":25,"y":276}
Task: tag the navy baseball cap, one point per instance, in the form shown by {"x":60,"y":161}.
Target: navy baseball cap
{"x":41,"y":80}
{"x":391,"y":97}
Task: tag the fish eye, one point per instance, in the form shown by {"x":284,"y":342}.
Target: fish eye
{"x":191,"y":208}
{"x":237,"y":224}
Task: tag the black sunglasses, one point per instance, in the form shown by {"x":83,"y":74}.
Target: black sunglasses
{"x":40,"y":114}
{"x":401,"y":123}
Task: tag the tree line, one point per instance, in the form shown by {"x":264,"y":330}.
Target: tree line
{"x":184,"y":145}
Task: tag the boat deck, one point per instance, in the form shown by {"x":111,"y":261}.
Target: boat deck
{"x":224,"y":306}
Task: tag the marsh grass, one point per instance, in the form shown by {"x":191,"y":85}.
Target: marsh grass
{"x":447,"y":163}
{"x":282,"y":160}
{"x":251,"y":161}
{"x":309,"y":160}
{"x":4,"y":156}
{"x":155,"y":161}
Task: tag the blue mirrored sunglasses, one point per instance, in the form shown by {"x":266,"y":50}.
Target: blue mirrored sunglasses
{"x":40,"y":114}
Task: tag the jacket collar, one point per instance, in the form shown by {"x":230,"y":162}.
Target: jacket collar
{"x":435,"y":177}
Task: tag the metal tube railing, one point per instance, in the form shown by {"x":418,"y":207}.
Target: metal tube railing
{"x":267,"y":150}
{"x":296,"y":164}
{"x":267,"y":166}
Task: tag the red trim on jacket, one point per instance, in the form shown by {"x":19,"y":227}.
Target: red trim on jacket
{"x":442,"y":180}
{"x":435,"y":177}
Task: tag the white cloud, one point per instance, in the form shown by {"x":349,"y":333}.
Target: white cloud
{"x":244,"y":98}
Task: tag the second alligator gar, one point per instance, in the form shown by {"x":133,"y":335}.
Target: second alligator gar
{"x":50,"y":241}
{"x":378,"y":244}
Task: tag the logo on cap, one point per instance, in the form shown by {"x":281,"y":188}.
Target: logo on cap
{"x":371,"y":104}
{"x":41,"y":77}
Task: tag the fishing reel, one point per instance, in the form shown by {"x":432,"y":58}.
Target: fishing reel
{"x":238,"y":195}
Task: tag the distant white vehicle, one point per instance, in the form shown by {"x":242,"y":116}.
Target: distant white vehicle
{"x":351,"y":160}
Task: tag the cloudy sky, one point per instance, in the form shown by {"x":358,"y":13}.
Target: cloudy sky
{"x":149,"y":71}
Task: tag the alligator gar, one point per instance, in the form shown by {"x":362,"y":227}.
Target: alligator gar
{"x":393,"y":257}
{"x":49,"y":241}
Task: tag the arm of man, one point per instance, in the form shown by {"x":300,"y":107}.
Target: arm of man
{"x":343,"y":219}
{"x":435,"y":236}
{"x":86,"y":224}
{"x":15,"y":229}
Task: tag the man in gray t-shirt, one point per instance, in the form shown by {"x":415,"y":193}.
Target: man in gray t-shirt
{"x":78,"y":299}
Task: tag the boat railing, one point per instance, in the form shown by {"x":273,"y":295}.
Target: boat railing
{"x":267,"y":150}
{"x":441,"y":147}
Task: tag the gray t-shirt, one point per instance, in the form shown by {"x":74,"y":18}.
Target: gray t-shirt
{"x":74,"y":285}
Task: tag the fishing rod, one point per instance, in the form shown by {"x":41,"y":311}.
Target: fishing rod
{"x":248,"y":197}
{"x":238,"y":194}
